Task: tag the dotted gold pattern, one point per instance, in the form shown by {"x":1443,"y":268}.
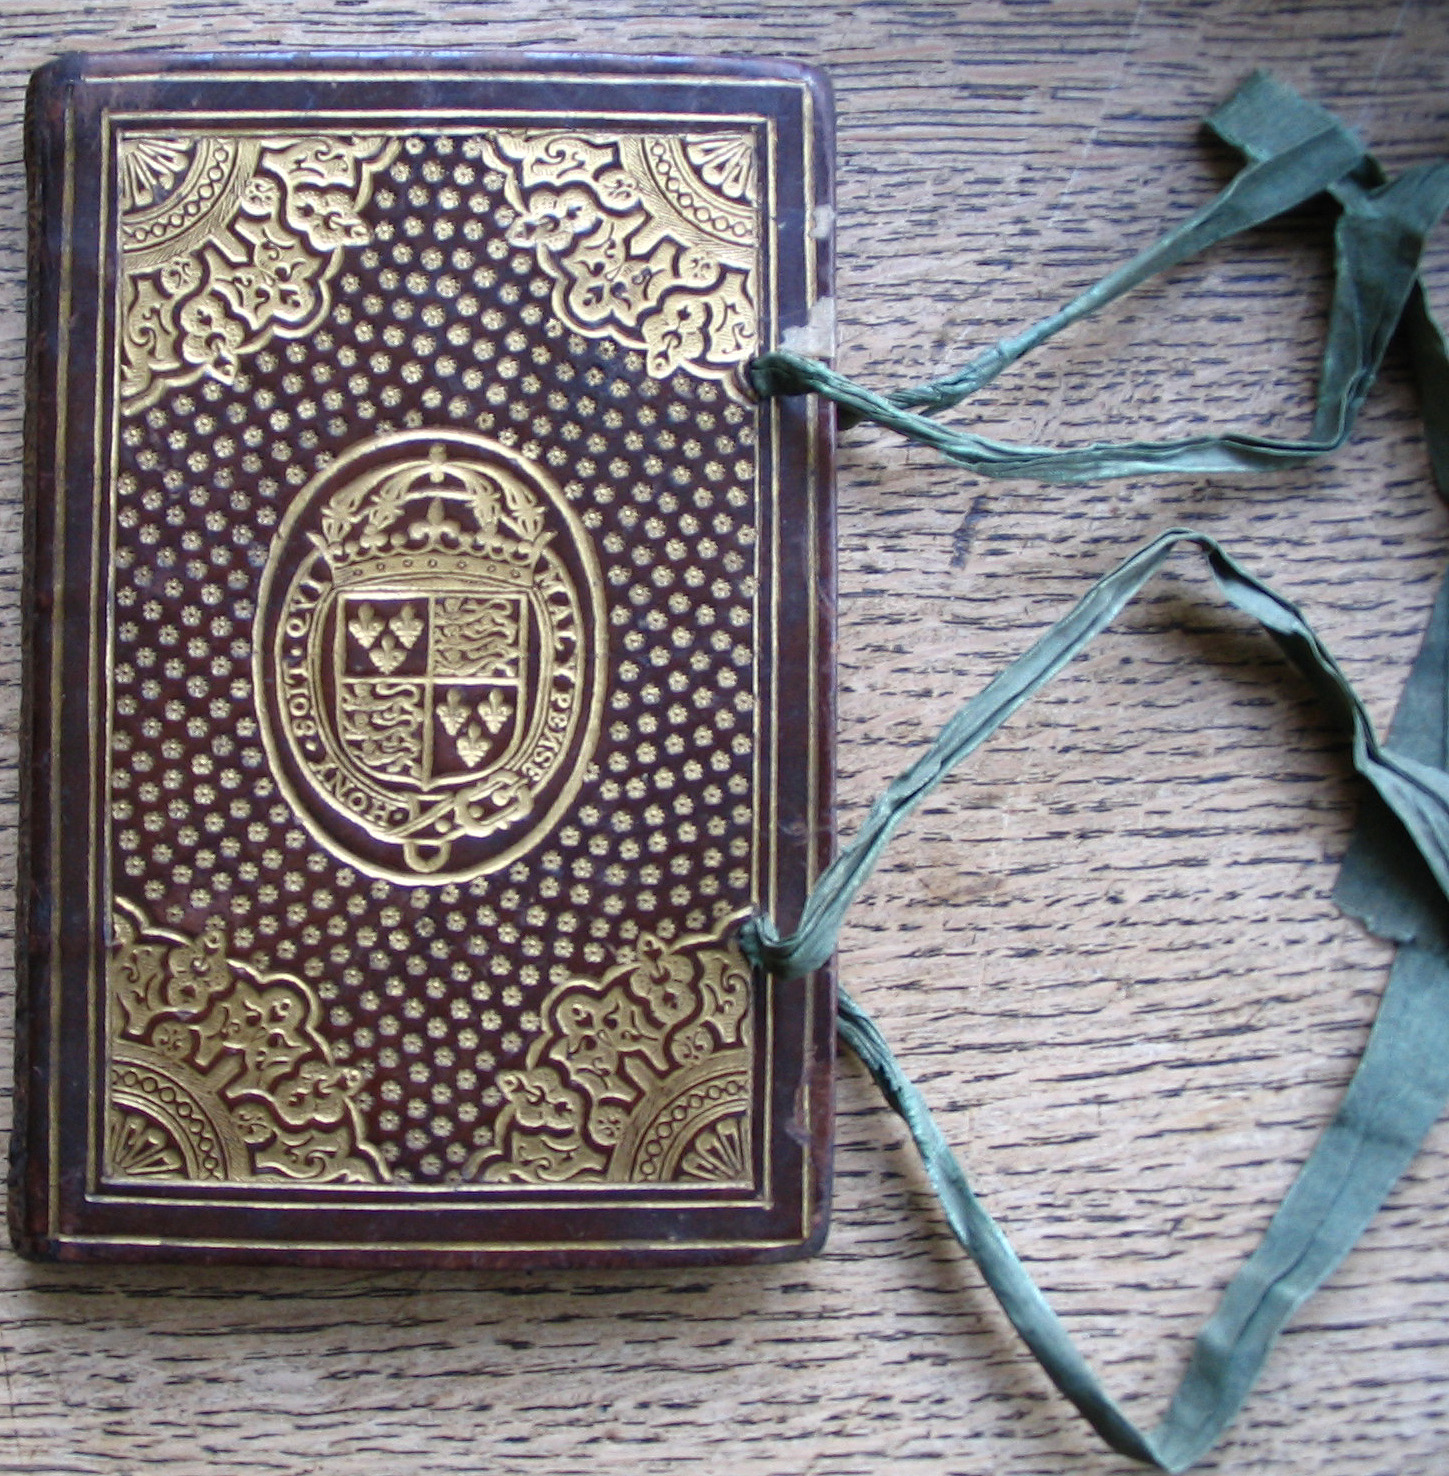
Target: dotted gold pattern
{"x":430,"y":991}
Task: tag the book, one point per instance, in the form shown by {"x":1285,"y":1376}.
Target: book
{"x":429,"y":661}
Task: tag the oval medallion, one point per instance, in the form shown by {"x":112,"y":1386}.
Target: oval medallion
{"x":429,"y":655}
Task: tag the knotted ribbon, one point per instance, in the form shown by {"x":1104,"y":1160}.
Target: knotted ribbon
{"x":1395,"y":877}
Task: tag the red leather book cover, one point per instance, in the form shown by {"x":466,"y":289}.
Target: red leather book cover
{"x":429,"y":661}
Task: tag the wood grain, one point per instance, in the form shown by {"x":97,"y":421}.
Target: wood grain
{"x":1107,"y":951}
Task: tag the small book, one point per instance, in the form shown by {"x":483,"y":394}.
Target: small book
{"x":429,"y":661}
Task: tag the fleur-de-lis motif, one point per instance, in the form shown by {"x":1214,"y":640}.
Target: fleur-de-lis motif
{"x":436,"y":527}
{"x":473,"y":746}
{"x":387,"y":655}
{"x":495,"y":712}
{"x":365,"y":626}
{"x":452,"y":714}
{"x":386,"y":647}
{"x":406,"y":626}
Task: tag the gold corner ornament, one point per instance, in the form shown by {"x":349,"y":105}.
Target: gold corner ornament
{"x":644,"y":1075}
{"x":430,"y":648}
{"x":650,"y":238}
{"x":218,"y":1073}
{"x":227,"y":240}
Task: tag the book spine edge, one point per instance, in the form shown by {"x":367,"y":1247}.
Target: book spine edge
{"x":47,"y":102}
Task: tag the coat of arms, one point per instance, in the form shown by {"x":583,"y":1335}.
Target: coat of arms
{"x":429,"y":666}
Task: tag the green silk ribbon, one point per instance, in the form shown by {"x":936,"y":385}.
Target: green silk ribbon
{"x":1395,"y":876}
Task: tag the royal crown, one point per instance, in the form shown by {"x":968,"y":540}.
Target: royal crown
{"x":433,"y":521}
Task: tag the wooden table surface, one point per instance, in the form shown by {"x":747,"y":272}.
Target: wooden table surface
{"x":1107,"y":951}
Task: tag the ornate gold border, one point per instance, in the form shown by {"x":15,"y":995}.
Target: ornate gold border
{"x":645,"y":1070}
{"x":68,"y":191}
{"x":242,"y":249}
{"x":218,"y":1073}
